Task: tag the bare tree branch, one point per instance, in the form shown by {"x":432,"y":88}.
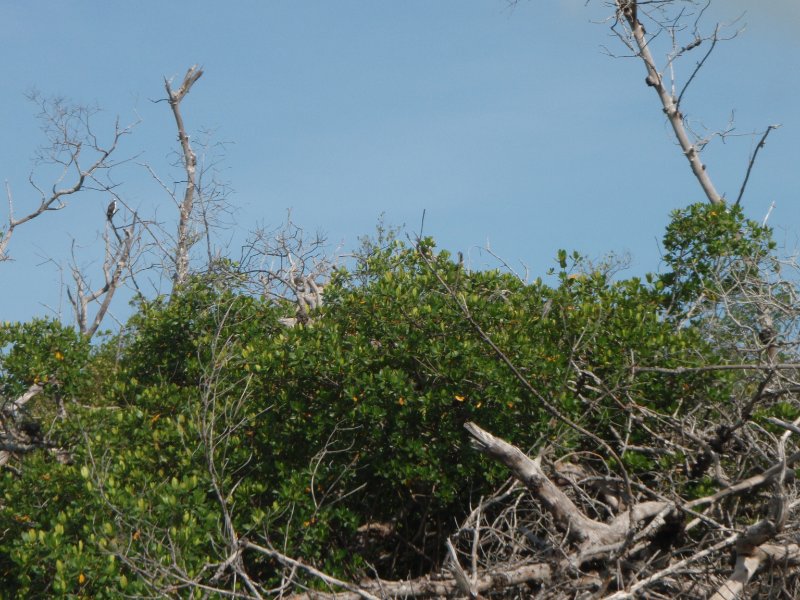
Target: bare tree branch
{"x":761,"y":143}
{"x":184,"y":237}
{"x":69,"y":131}
{"x":115,"y":265}
{"x":629,"y":11}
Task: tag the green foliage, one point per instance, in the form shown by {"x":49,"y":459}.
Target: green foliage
{"x":171,"y":340}
{"x":42,"y":351}
{"x":307,"y":434}
{"x":708,"y":248}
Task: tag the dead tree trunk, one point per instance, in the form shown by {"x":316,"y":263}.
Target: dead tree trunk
{"x":185,"y":239}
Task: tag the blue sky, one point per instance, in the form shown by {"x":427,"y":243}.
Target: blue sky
{"x":508,"y":126}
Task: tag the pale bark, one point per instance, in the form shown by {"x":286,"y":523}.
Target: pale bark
{"x":69,"y":130}
{"x":427,"y":587}
{"x":117,"y":261}
{"x":577,"y":526}
{"x":184,"y":239}
{"x":629,"y":10}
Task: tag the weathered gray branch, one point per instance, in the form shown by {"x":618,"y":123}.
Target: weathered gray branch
{"x":594,"y":536}
{"x":71,"y":144}
{"x":445,"y":587}
{"x":628,"y":9}
{"x":184,"y":240}
{"x":113,"y":270}
{"x":578,"y":526}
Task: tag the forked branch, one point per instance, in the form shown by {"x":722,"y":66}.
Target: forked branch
{"x":117,"y":262}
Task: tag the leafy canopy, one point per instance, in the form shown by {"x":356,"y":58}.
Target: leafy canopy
{"x":205,"y":405}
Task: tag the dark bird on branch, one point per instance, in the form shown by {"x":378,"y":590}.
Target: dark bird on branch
{"x":111,"y":210}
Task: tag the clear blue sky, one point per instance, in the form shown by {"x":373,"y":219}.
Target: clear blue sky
{"x":510,"y":126}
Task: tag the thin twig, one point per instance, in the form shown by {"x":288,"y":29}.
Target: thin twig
{"x":752,"y":161}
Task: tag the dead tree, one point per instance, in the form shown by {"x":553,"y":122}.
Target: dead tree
{"x":287,"y":265}
{"x":630,"y":28}
{"x":79,"y":156}
{"x":117,"y":266}
{"x":627,"y":551}
{"x":185,"y":238}
{"x":199,"y":196}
